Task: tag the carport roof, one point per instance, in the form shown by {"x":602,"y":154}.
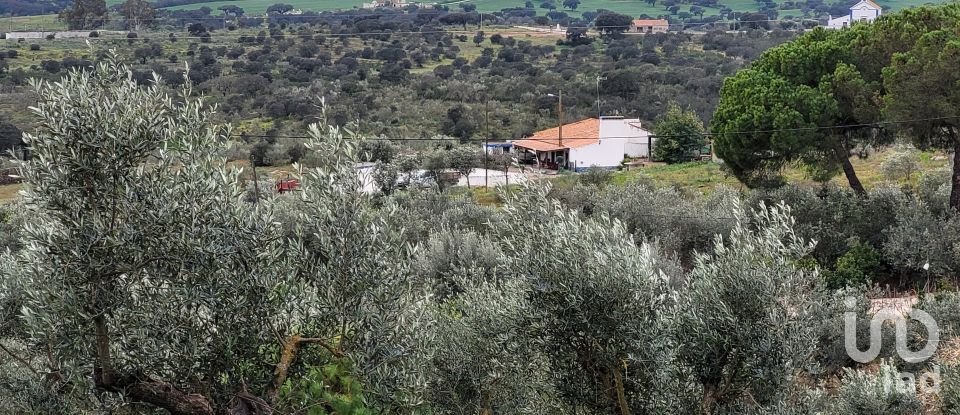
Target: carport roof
{"x":578,"y":134}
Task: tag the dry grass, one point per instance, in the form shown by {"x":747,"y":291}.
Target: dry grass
{"x":9,"y":192}
{"x":704,"y":176}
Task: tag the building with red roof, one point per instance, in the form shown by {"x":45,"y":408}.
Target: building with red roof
{"x":650,"y":26}
{"x":587,"y":143}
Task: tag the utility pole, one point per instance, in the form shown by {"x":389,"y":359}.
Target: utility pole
{"x":486,"y":142}
{"x":560,"y":119}
{"x":599,"y":78}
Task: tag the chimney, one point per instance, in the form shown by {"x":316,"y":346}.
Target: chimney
{"x":610,"y":126}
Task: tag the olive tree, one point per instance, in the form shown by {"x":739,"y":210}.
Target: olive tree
{"x":901,"y":164}
{"x":144,"y":278}
{"x":594,"y":301}
{"x":464,"y":159}
{"x":356,"y":291}
{"x":744,"y":325}
{"x":139,"y":265}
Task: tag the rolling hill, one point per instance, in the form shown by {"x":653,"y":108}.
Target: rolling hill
{"x":631,"y":7}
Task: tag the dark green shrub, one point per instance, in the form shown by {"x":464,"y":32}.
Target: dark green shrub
{"x":596,"y":176}
{"x":328,"y":389}
{"x":856,"y":267}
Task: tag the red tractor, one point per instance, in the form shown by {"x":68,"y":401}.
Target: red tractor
{"x":287,"y":184}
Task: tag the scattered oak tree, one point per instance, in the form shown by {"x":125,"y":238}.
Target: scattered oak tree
{"x":612,"y":25}
{"x":86,"y":14}
{"x":137,"y":12}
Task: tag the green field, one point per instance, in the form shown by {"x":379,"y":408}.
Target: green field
{"x":45,"y":22}
{"x":705,"y":176}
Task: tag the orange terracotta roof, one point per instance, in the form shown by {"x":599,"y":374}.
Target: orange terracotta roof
{"x":577,"y":134}
{"x":646,"y":22}
{"x":871,"y":4}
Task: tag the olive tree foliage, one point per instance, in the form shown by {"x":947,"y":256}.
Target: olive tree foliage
{"x":901,"y":164}
{"x":933,"y":188}
{"x":464,"y":159}
{"x":145,"y":280}
{"x":385,"y":176}
{"x":922,"y":241}
{"x":604,"y":324}
{"x":863,"y":393}
{"x":360,"y":294}
{"x":745,"y":321}
{"x":485,"y":363}
{"x":126,"y":281}
{"x":837,"y":218}
{"x":680,"y":225}
{"x":449,"y":251}
{"x":594,"y":334}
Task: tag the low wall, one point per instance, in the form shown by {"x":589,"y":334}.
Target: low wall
{"x":66,"y":34}
{"x":9,"y":176}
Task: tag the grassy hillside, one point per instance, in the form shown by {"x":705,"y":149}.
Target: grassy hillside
{"x":46,"y":22}
{"x":631,"y":7}
{"x":705,"y":176}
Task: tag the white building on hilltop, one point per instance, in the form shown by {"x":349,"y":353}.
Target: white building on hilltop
{"x":393,"y":4}
{"x":863,"y":12}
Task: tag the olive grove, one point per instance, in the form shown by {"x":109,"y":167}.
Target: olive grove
{"x":143,"y":280}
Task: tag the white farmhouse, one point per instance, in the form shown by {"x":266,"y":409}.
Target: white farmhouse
{"x":592,"y":142}
{"x":863,"y":12}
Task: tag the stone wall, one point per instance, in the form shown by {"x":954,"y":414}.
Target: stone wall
{"x":66,"y":34}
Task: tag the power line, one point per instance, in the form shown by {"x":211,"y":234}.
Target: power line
{"x":704,"y":134}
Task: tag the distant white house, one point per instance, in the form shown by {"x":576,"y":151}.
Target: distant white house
{"x":592,"y":142}
{"x":393,"y":4}
{"x":863,"y":12}
{"x":650,"y":26}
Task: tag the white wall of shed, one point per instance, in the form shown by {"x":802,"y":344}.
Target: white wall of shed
{"x":606,"y":153}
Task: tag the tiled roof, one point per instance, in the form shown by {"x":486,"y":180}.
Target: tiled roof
{"x":578,"y":134}
{"x":645,"y":22}
{"x":872,"y":4}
